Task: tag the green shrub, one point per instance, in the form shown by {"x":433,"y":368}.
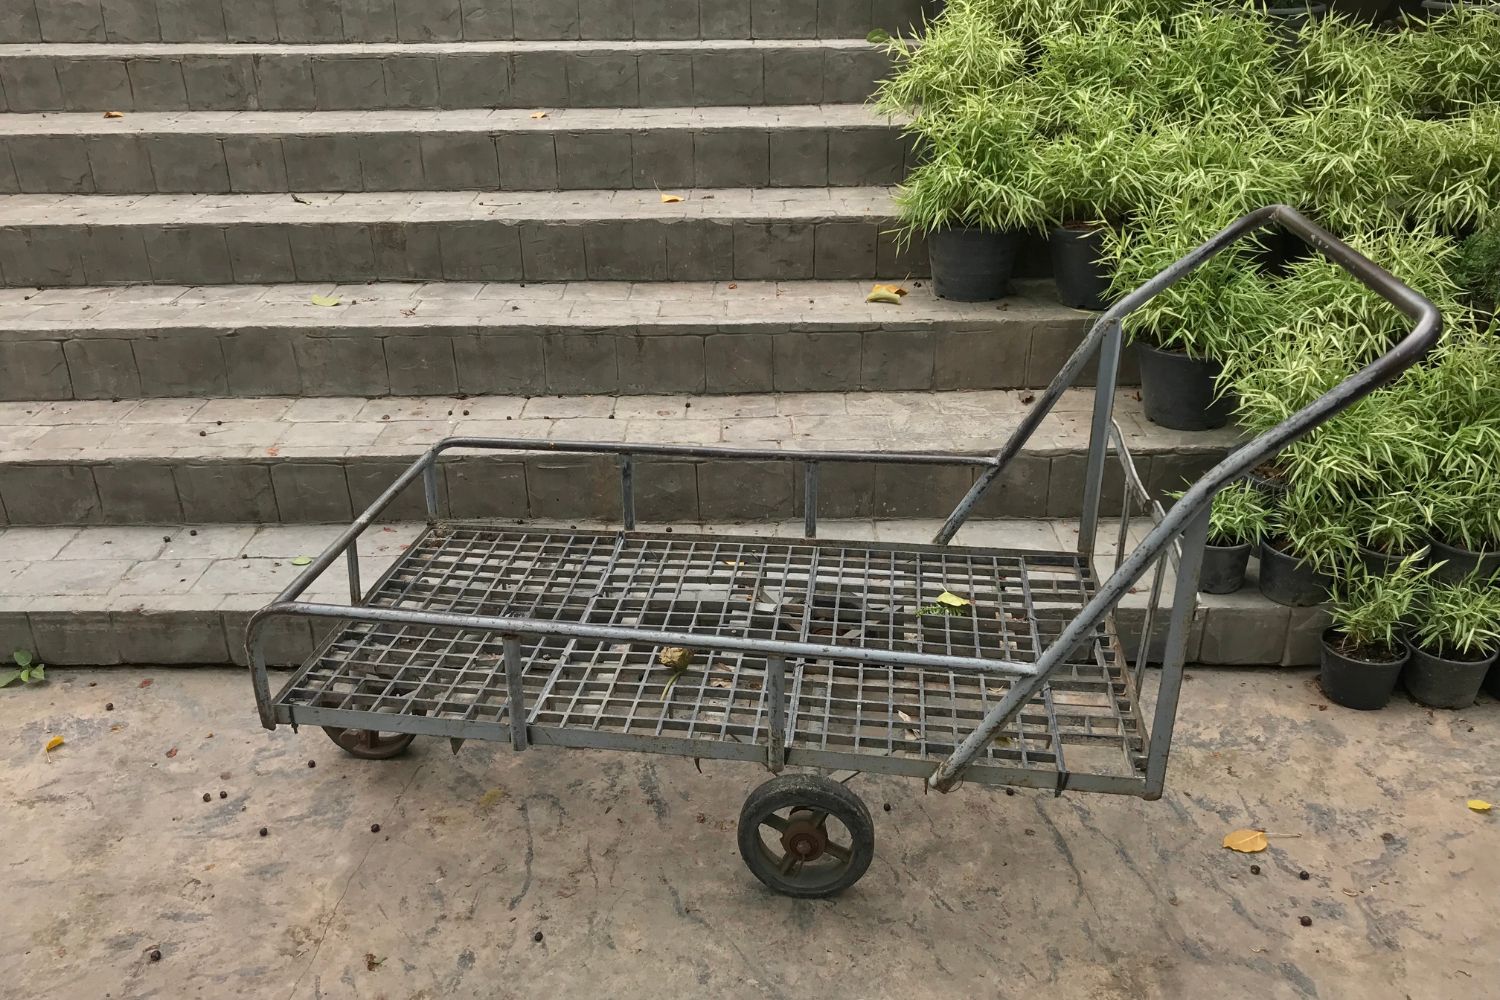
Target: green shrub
{"x":1458,"y":621}
{"x":1372,"y":611}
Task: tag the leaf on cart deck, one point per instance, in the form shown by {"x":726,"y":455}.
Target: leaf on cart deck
{"x":953,"y":600}
{"x":54,"y":743}
{"x":1247,"y":841}
{"x":1479,"y":805}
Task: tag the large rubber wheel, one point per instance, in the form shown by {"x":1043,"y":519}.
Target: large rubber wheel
{"x":806,"y":836}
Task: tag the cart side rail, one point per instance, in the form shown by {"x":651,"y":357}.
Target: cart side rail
{"x":1186,"y":524}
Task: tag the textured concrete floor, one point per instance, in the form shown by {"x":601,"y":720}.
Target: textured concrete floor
{"x":626,"y":864}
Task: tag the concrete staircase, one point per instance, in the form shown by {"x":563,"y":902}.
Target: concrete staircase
{"x":310,"y":237}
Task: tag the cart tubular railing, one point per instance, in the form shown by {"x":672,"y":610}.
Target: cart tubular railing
{"x":1180,"y":532}
{"x":1187,"y":521}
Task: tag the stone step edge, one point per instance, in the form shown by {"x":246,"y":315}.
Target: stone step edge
{"x":525,"y":339}
{"x":205,"y":625}
{"x":321,"y":460}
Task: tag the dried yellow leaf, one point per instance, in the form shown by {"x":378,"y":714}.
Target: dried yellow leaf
{"x":1480,"y":806}
{"x":114,"y":114}
{"x":54,"y":743}
{"x":1247,"y":841}
{"x":668,"y":199}
{"x":953,"y":600}
{"x":893,"y":289}
{"x":325,"y":300}
{"x":883,"y":298}
{"x":539,"y":114}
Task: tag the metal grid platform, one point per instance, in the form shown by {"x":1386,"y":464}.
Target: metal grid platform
{"x":1083,"y":730}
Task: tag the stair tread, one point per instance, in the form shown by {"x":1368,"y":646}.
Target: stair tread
{"x":773,"y":204}
{"x":576,"y":304}
{"x":278,"y":429}
{"x":487,"y":120}
{"x":375,"y":49}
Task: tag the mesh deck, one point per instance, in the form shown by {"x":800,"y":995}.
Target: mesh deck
{"x":582,"y":692}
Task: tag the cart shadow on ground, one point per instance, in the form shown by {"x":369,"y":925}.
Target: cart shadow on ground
{"x":587,"y":873}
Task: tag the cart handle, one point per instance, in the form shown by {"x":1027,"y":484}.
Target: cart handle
{"x":1189,"y":516}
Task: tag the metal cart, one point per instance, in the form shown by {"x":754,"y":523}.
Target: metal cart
{"x":810,"y":653}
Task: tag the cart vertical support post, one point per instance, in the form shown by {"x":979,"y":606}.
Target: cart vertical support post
{"x":627,"y":492}
{"x":258,"y":678}
{"x":1104,"y":405}
{"x":1184,"y":603}
{"x":430,"y":487}
{"x":776,"y":712}
{"x":515,"y":692}
{"x":810,"y":499}
{"x":351,"y":556}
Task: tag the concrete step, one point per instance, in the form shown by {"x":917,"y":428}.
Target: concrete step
{"x":198,"y":152}
{"x":299,"y":21}
{"x":512,"y":339}
{"x":320,"y":460}
{"x":718,"y":234}
{"x":378,"y":76}
{"x":183,"y":595}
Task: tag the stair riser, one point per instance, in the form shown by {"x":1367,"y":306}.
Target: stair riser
{"x":302,"y":21}
{"x":471,"y":250}
{"x":492,"y":159}
{"x":331,"y":490}
{"x":460,"y":75}
{"x":443,"y":360}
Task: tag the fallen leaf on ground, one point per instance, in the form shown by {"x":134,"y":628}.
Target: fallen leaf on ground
{"x":273,"y":451}
{"x":721,"y":682}
{"x":953,"y":600}
{"x":371,"y":962}
{"x":54,"y":743}
{"x":1247,"y":841}
{"x":893,"y":289}
{"x":325,"y":300}
{"x":880,"y":297}
{"x":669,"y":199}
{"x":114,"y":114}
{"x":1479,"y":805}
{"x":539,"y":114}
{"x":302,"y":561}
{"x":145,"y":683}
{"x":172,"y":752}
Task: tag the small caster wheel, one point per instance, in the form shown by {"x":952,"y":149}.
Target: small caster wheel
{"x":806,"y":836}
{"x":370,"y":744}
{"x":367,"y":744}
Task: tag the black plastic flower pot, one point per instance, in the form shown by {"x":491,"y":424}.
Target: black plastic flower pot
{"x":1082,"y":280}
{"x":1492,"y":681}
{"x":1439,"y":682}
{"x":1288,"y":580}
{"x":1178,"y":391}
{"x":1269,"y":484}
{"x":970,"y":264}
{"x":1223,"y":569}
{"x":1378,"y":562}
{"x":1354,"y":682}
{"x":1459,"y":563}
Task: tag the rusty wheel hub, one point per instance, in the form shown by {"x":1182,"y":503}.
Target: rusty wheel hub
{"x":804,"y":837}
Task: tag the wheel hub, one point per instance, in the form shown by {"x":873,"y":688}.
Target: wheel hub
{"x":804,"y":836}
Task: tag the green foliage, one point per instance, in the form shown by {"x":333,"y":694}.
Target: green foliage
{"x":1239,"y":516}
{"x":1477,"y":269}
{"x":1311,"y":527}
{"x":26,"y":670}
{"x":1459,"y":620}
{"x":1373,"y":610}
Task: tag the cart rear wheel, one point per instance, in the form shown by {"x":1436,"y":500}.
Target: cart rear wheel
{"x":370,"y":744}
{"x":805,"y":835}
{"x":367,"y":744}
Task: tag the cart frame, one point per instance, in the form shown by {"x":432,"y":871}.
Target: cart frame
{"x":1178,"y":535}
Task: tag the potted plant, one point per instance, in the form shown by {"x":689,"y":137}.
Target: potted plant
{"x":1454,"y":643}
{"x":1391,"y":528}
{"x":1477,"y":270}
{"x":1236,"y":525}
{"x":1365,"y":649}
{"x":1307,"y":544}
